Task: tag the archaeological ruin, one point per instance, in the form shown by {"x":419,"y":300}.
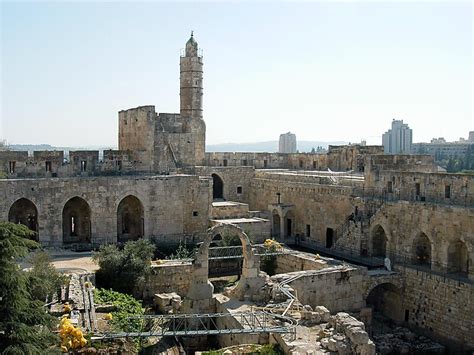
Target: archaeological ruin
{"x":371,"y":252}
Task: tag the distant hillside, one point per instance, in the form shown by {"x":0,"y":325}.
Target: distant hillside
{"x":270,"y":146}
{"x":33,"y":147}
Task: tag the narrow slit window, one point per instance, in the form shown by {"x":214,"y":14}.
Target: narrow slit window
{"x":11,"y":167}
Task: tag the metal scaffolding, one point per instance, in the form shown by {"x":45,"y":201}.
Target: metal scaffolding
{"x":190,"y":325}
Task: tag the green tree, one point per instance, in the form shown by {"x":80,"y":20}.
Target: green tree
{"x":122,"y":269}
{"x":44,"y":279}
{"x":25,"y":326}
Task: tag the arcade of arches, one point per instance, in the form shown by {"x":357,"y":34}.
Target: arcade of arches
{"x":23,"y":211}
{"x":76,"y":221}
{"x":130,"y":220}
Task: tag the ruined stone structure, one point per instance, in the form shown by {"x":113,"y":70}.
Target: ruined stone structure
{"x":352,"y":202}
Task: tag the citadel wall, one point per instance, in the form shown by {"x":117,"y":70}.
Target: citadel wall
{"x":439,"y":306}
{"x":172,"y":206}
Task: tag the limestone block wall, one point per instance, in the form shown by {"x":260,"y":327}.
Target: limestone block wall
{"x":376,"y":163}
{"x":350,"y":157}
{"x":173,"y":206}
{"x":12,"y":163}
{"x":232,"y":178}
{"x":315,"y":205}
{"x":444,"y":188}
{"x":338,"y":158}
{"x":443,"y":225}
{"x":169,"y":277}
{"x":441,"y":306}
{"x":257,"y":160}
{"x":338,"y":288}
{"x":229,"y":210}
{"x":298,"y":262}
{"x":136,"y":130}
{"x":83,"y":162}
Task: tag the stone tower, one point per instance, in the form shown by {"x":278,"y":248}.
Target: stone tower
{"x":191,"y":99}
{"x":191,"y":81}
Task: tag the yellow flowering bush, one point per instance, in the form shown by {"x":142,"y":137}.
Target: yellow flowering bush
{"x":272,"y":244}
{"x":71,"y":337}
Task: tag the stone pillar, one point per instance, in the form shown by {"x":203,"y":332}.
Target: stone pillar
{"x":439,"y":257}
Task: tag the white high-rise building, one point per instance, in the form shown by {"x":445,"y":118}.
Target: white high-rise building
{"x":287,"y":143}
{"x":398,"y":139}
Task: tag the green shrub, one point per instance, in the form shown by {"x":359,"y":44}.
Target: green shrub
{"x":126,"y":306}
{"x":122,"y":269}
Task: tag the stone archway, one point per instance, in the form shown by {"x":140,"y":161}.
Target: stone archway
{"x":458,"y":258}
{"x":201,"y":290}
{"x":130,"y":219}
{"x":76,"y":221}
{"x":386,"y":298}
{"x":379,"y":242}
{"x":421,"y":254}
{"x":23,"y":211}
{"x":217,"y":187}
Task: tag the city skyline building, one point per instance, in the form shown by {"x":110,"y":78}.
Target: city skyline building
{"x":398,"y":139}
{"x":287,"y":143}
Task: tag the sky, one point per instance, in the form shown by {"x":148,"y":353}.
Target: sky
{"x":326,"y":71}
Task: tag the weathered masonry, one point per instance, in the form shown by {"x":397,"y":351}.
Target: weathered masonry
{"x":353,"y":203}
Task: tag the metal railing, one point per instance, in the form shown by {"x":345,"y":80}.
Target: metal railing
{"x":463,"y":198}
{"x":397,"y":259}
{"x":190,"y":325}
{"x":235,"y":252}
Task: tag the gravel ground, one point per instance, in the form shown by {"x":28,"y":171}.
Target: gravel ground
{"x":68,"y":261}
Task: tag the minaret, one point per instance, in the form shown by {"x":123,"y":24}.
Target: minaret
{"x":191,"y":81}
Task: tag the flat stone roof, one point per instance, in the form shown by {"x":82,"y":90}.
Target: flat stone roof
{"x":240,"y":220}
{"x":227,"y":204}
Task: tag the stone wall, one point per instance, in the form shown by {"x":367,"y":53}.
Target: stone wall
{"x":173,"y":206}
{"x":338,"y":158}
{"x":232,"y":178}
{"x":442,"y":188}
{"x":338,"y":288}
{"x":136,"y":130}
{"x":298,"y":262}
{"x":310,"y":204}
{"x":171,"y":276}
{"x":443,"y":228}
{"x":441,"y":306}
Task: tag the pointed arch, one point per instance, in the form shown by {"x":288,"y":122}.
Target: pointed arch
{"x":76,"y":221}
{"x":24,"y":211}
{"x":421,"y":251}
{"x":458,"y":257}
{"x":130,"y":219}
